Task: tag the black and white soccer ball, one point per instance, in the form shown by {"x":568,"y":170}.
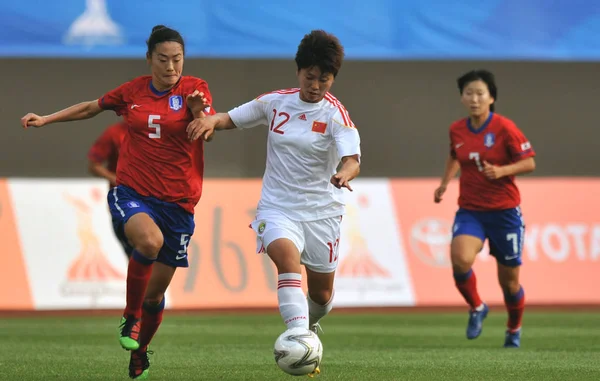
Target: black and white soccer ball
{"x":298,"y":351}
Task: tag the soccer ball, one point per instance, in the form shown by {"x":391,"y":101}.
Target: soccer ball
{"x":298,"y":351}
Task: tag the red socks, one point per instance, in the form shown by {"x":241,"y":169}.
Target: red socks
{"x":467,"y":285}
{"x":138,"y":276}
{"x":152,"y":316}
{"x":515,"y":305}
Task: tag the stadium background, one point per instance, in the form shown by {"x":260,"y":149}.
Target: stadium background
{"x":398,"y":82}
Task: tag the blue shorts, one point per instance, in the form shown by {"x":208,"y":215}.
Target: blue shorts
{"x":505,"y":230}
{"x":175,"y":223}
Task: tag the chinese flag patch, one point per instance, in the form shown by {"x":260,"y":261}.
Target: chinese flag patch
{"x":319,"y":127}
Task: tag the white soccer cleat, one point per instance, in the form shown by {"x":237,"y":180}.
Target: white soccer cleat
{"x":316,"y":328}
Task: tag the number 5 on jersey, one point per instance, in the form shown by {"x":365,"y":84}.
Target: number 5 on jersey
{"x":155,"y":126}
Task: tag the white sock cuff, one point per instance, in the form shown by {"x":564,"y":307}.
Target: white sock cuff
{"x":289,"y":276}
{"x":289,"y":280}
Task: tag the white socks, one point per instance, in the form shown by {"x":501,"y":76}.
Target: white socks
{"x":316,"y":311}
{"x":292,"y":302}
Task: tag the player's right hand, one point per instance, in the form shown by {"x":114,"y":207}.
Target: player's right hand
{"x":201,"y":127}
{"x":32,"y":120}
{"x":439,"y":192}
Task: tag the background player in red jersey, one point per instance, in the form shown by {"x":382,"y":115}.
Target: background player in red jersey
{"x":104,"y":153}
{"x":159,"y":181}
{"x":103,"y":157}
{"x":489,"y":150}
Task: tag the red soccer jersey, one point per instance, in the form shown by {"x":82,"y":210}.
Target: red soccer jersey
{"x":156,"y":157}
{"x":106,"y":147}
{"x":500,"y":142}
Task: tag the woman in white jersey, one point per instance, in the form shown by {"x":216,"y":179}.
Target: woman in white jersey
{"x":301,"y":206}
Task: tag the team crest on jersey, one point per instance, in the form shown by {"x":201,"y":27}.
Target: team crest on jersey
{"x":261,"y":227}
{"x":489,"y":139}
{"x":175,"y":102}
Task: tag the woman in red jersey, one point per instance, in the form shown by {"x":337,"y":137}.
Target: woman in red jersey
{"x":159,"y":181}
{"x":490,"y":151}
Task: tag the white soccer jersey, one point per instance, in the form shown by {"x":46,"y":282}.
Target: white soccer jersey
{"x":306,"y":142}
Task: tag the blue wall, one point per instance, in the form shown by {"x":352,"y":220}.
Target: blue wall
{"x":374,"y":29}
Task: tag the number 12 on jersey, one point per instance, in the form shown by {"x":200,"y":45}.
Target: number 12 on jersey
{"x":285,"y":116}
{"x":475,"y":156}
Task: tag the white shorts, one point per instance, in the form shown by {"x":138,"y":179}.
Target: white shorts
{"x":317,"y":241}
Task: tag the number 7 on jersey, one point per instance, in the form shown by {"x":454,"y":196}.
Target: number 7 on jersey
{"x":475,"y":156}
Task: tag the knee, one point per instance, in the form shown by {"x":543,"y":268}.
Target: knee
{"x":154,"y":300}
{"x":322,"y":296}
{"x":461,"y":262}
{"x":510,"y":286}
{"x":287,"y":265}
{"x":149,"y":243}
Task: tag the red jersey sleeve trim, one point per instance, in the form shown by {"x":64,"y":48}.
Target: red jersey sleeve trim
{"x":345,"y":115}
{"x":283,"y":91}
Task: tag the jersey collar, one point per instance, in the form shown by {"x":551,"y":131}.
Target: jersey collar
{"x":309,"y":105}
{"x":161,"y":93}
{"x":483,"y":126}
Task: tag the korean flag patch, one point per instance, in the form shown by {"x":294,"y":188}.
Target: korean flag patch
{"x":175,"y":102}
{"x":489,"y":139}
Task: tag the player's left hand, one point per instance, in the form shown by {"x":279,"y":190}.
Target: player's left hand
{"x":491,"y":171}
{"x":197,"y":101}
{"x":341,"y":180}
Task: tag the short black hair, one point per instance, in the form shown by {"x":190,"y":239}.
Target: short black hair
{"x":160,"y":34}
{"x":480,"y":75}
{"x":321,"y":49}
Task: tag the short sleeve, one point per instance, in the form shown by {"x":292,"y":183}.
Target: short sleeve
{"x":452,"y":149}
{"x":518,"y":145}
{"x":345,"y":134}
{"x":115,"y":99}
{"x":202,"y":86}
{"x":250,"y":114}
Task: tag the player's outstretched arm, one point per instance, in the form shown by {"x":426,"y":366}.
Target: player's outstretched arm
{"x":83,"y":110}
{"x":350,"y":169}
{"x":224,"y":122}
{"x":452,"y":168}
{"x":205,"y":127}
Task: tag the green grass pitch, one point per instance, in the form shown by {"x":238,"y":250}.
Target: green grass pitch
{"x":366,"y":346}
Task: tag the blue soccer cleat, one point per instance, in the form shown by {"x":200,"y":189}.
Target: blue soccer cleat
{"x":512,"y":339}
{"x":475,"y":325}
